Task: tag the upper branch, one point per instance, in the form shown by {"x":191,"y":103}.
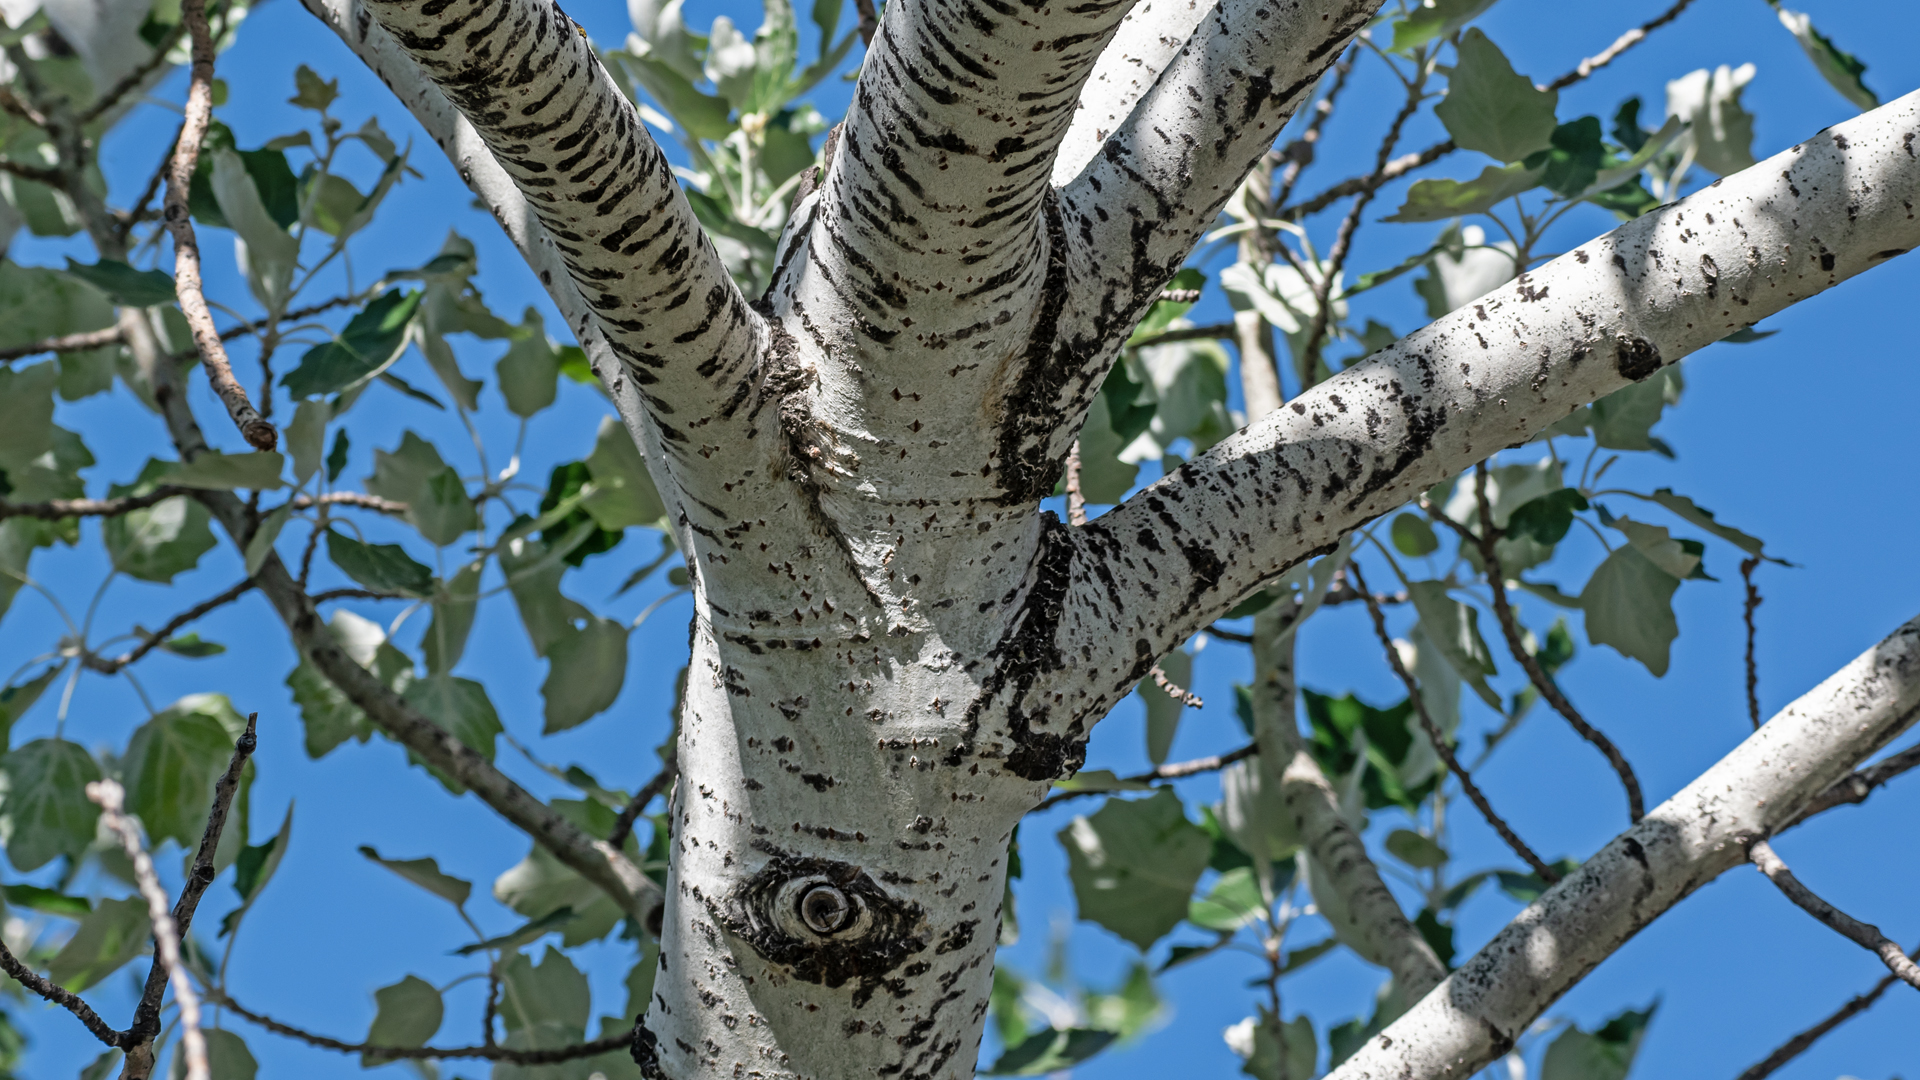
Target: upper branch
{"x":527,"y":81}
{"x":1700,"y":833}
{"x":1493,"y":374}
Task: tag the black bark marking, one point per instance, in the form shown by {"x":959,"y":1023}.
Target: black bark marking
{"x":1635,"y":357}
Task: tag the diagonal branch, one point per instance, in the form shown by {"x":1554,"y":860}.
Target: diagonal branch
{"x":1865,"y":935}
{"x":1494,"y":373}
{"x":60,"y":996}
{"x":1173,"y":770}
{"x":623,"y":823}
{"x":428,"y":1053}
{"x":1700,"y":833}
{"x":1798,"y":1045}
{"x":159,"y":637}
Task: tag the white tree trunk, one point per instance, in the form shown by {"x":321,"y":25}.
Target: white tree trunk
{"x":894,"y":652}
{"x":1699,"y":834}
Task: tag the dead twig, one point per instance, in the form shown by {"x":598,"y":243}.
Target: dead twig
{"x":1798,"y":1045}
{"x":60,"y":996}
{"x":869,"y":21}
{"x":1439,"y":739}
{"x":1173,"y":689}
{"x":1747,"y":567}
{"x":1076,"y":499}
{"x":159,"y":637}
{"x":623,"y":824}
{"x":1856,"y":786}
{"x":1298,"y":154}
{"x":186,"y":248}
{"x":1865,"y":935}
{"x":1173,"y":771}
{"x":428,"y":1053}
{"x":55,"y":509}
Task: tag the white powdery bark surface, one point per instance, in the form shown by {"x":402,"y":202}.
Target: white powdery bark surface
{"x":1702,"y":832}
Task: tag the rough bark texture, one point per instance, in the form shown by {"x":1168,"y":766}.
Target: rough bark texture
{"x":894,"y":652}
{"x":1699,"y":834}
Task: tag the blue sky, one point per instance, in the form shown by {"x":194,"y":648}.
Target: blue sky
{"x":1807,"y":439}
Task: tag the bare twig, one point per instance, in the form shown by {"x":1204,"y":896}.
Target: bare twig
{"x":131,"y":80}
{"x":55,"y":509}
{"x":90,"y":339}
{"x":1747,"y":567}
{"x":60,"y":996}
{"x":186,"y":248}
{"x":428,"y":1053}
{"x":1076,"y":498}
{"x":1209,"y":332}
{"x":1173,"y":689}
{"x":623,"y":825}
{"x":1439,"y":739}
{"x":1488,"y":541}
{"x":869,"y":21}
{"x":1855,"y":787}
{"x":1862,"y":934}
{"x":1403,"y":165}
{"x":1299,"y":153}
{"x":142,"y":207}
{"x":356,"y":594}
{"x":39,"y":174}
{"x":350,"y":498}
{"x":1798,"y":1045}
{"x":493,"y":1005}
{"x":1173,"y":771}
{"x":1180,"y":296}
{"x":166,"y":937}
{"x":146,"y":1016}
{"x":160,"y":636}
{"x":1230,"y":635}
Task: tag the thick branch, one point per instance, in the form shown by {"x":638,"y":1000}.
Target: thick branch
{"x":1865,"y":935}
{"x":1611,"y":312}
{"x":1692,"y":838}
{"x":55,"y":509}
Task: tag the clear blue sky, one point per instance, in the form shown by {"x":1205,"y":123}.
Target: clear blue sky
{"x":1808,"y":439}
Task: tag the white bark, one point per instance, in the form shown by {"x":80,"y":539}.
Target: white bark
{"x":1492,"y":374}
{"x":1475,"y":1016}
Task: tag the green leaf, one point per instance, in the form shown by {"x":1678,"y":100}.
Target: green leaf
{"x":1233,"y":902}
{"x":1163,"y":709}
{"x":1438,"y":200}
{"x":1104,"y":478}
{"x":539,"y":885}
{"x":531,"y":931}
{"x":45,"y":812}
{"x":454,"y":604}
{"x":192,"y":647}
{"x":267,"y":254}
{"x":337,"y":457}
{"x":1433,"y":20}
{"x":530,"y":371}
{"x":312,"y":92}
{"x":426,"y":874}
{"x":1491,"y":108}
{"x":1629,"y":605}
{"x":306,"y":439}
{"x":39,"y":302}
{"x":1654,"y":541}
{"x":1134,"y":865}
{"x":1253,"y":815}
{"x":623,"y":492}
{"x":1842,"y":70}
{"x":370,"y":341}
{"x":172,"y":762}
{"x":1413,"y":536}
{"x":1130,"y":1009}
{"x":211,"y":470}
{"x":533,"y":576}
{"x":1256,"y":1042}
{"x":125,"y":285}
{"x":1415,"y":850}
{"x":1098,"y":780}
{"x":1438,"y":935}
{"x":48,"y":901}
{"x":330,"y":719}
{"x":588,"y":667}
{"x":1547,"y":518}
{"x":1051,"y":1050}
{"x":116,"y":932}
{"x":159,"y":541}
{"x":227,"y":1058}
{"x":405,"y":1014}
{"x":544,"y":1006}
{"x":703,"y":115}
{"x":461,"y":707}
{"x":415,"y":474}
{"x":17,"y":698}
{"x":1720,"y":127}
{"x":1527,"y":888}
{"x":26,"y":413}
{"x":261,"y":544}
{"x":1624,"y":419}
{"x":384,"y":567}
{"x":1691,"y":511}
{"x":1161,"y":314}
{"x":257,"y":862}
{"x":1572,"y":163}
{"x":1606,"y":1054}
{"x":1454,"y":629}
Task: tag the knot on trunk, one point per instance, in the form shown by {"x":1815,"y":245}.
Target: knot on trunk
{"x":824,"y":921}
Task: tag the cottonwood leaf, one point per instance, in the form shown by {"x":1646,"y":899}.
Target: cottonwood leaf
{"x":1438,"y":200}
{"x":436,"y":498}
{"x":529,"y":373}
{"x":1842,"y":70}
{"x":1253,"y":815}
{"x":382,"y":567}
{"x":405,"y":1014}
{"x":1491,"y":108}
{"x":1433,"y":20}
{"x":116,"y":932}
{"x":1605,"y":1054}
{"x":48,"y":901}
{"x":1454,"y":629}
{"x":260,"y":545}
{"x":266,"y":253}
{"x":371,"y":340}
{"x":156,"y":542}
{"x":1546,"y":519}
{"x":254,"y":867}
{"x":125,"y":285}
{"x":227,"y":1058}
{"x":45,"y":812}
{"x":533,"y":576}
{"x":623,"y":492}
{"x":1233,"y":902}
{"x":1254,"y":1041}
{"x":26,"y":413}
{"x":1134,"y":865}
{"x":172,"y":762}
{"x":1051,"y":1050}
{"x":211,"y":470}
{"x":1624,"y":419}
{"x":461,"y":707}
{"x":425,"y":873}
{"x":1654,"y":541}
{"x":1104,"y":478}
{"x":544,"y":1006}
{"x":539,"y":885}
{"x":588,"y":667}
{"x":1629,"y":605}
{"x":306,"y":439}
{"x":1414,"y":849}
{"x":1163,"y":709}
{"x":16,"y":699}
{"x":1719,"y":126}
{"x":454,"y":604}
{"x":330,"y":718}
{"x":39,"y":302}
{"x":1413,"y":536}
{"x":1692,"y":511}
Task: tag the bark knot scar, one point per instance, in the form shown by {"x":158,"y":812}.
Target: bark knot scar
{"x":1635,"y":357}
{"x":823,"y":920}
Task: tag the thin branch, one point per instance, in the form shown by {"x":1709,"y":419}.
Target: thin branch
{"x":166,"y":936}
{"x":1401,"y":166}
{"x":1180,"y":296}
{"x":493,"y":1005}
{"x":131,"y":80}
{"x":869,"y":21}
{"x":1798,"y":1045}
{"x":141,"y":210}
{"x":350,"y":498}
{"x":1229,"y":635}
{"x":1173,"y":689}
{"x":39,"y":174}
{"x":1299,"y":152}
{"x":1076,"y":498}
{"x":356,"y":594}
{"x":60,"y":996}
{"x":160,"y":636}
{"x":428,"y":1053}
{"x":186,"y":248}
{"x":1439,"y":738}
{"x":1862,"y":934}
{"x":55,"y":509}
{"x":1173,"y":771}
{"x":1488,"y":541}
{"x":146,"y":1016}
{"x":1747,"y":567}
{"x":90,"y":339}
{"x":623,"y":825}
{"x":1856,"y":786}
{"x":1209,"y":332}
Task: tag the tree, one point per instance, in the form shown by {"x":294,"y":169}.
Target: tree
{"x":851,"y":370}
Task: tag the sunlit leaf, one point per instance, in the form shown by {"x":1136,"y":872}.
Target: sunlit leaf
{"x":1134,"y":864}
{"x":1491,"y":108}
{"x":1629,"y":605}
{"x":172,"y":762}
{"x":116,"y":932}
{"x":383,"y":567}
{"x":425,"y":873}
{"x":45,"y":812}
{"x":371,"y":340}
{"x":588,"y":667}
{"x":405,"y":1014}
